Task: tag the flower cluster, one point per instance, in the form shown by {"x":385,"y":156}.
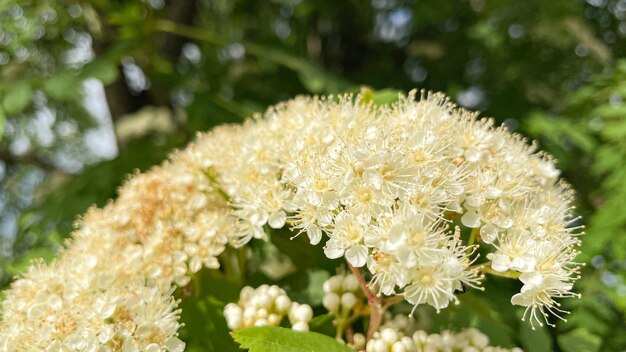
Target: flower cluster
{"x":383,"y":187}
{"x":266,"y":305}
{"x":111,"y":289}
{"x":470,"y":340}
{"x":342,"y":294}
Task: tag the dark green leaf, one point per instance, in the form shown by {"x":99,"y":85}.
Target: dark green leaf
{"x":323,"y":324}
{"x":205,"y":326}
{"x":579,"y":340}
{"x":537,"y":340}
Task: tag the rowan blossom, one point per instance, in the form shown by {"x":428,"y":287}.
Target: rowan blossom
{"x":400,"y":190}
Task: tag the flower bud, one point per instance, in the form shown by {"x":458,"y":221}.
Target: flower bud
{"x":274,"y":319}
{"x":261,"y":313}
{"x":331,"y":302}
{"x":333,"y":284}
{"x":376,"y":345}
{"x":358,"y":340}
{"x":274,"y":291}
{"x":301,"y":312}
{"x":249,"y":313}
{"x":348,"y":300}
{"x":282,"y":304}
{"x":351,"y":283}
{"x":300,"y":326}
{"x":398,"y":347}
{"x":233,"y":323}
{"x":389,"y":335}
{"x":264,"y":300}
{"x":246,"y":293}
{"x":408,"y":344}
{"x":260,"y":322}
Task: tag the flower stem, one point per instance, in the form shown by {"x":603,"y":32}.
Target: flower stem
{"x":376,"y":307}
{"x":473,"y":236}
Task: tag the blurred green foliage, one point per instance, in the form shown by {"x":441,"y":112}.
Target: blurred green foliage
{"x":73,"y":73}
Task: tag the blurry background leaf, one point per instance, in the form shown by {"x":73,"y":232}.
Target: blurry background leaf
{"x":17,"y":98}
{"x":579,"y":340}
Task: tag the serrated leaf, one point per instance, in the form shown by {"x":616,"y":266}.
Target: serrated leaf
{"x":276,"y":339}
{"x":18,"y":98}
{"x":579,"y":340}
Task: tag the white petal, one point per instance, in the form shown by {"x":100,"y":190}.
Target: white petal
{"x":129,"y":346}
{"x":493,"y":193}
{"x":371,"y":239}
{"x":521,"y":299}
{"x":153,"y":347}
{"x":357,"y":255}
{"x":315,"y":235}
{"x":334,"y":248}
{"x":396,"y":235}
{"x":277,"y":219}
{"x":471,"y":219}
{"x":531,"y":279}
{"x":475,"y":200}
{"x":499,"y":262}
{"x":174,"y":344}
{"x":373,"y":179}
{"x":489,"y":233}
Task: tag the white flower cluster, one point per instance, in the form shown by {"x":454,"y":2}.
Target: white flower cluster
{"x":390,"y":339}
{"x":385,"y":185}
{"x":266,"y":305}
{"x":342,"y":294}
{"x":111,"y":290}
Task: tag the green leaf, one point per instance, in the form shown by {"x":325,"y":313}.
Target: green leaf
{"x":579,"y":340}
{"x":303,"y":255}
{"x":386,"y":96}
{"x":63,"y":86}
{"x":205,"y":326}
{"x":20,"y":265}
{"x":17,"y":98}
{"x":537,"y":340}
{"x":323,"y":324}
{"x":316,"y":281}
{"x":275,"y":339}
{"x":3,"y":119}
{"x":104,"y":70}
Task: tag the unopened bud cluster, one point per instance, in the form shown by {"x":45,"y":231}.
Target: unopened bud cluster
{"x":342,"y":294}
{"x":470,"y":340}
{"x":266,"y":305}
